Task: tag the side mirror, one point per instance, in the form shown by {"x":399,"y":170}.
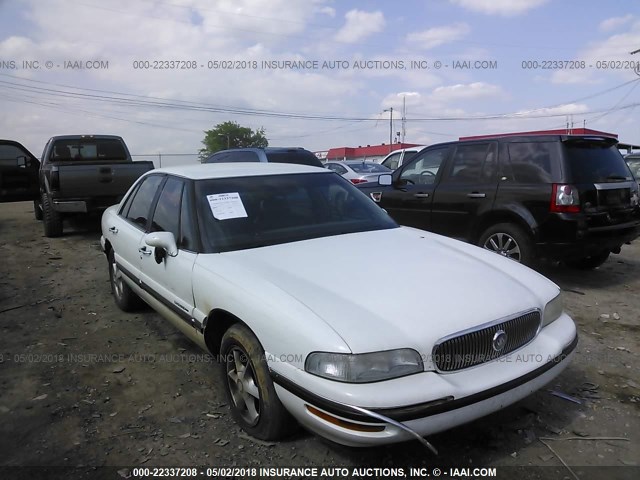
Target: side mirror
{"x":23,"y":162}
{"x":385,"y":179}
{"x":164,"y":242}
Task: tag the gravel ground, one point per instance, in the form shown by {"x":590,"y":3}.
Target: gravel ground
{"x":84,"y":384}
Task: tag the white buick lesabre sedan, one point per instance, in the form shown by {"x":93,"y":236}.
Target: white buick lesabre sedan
{"x":276,"y":270}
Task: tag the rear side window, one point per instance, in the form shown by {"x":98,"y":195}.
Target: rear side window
{"x":166,"y":217}
{"x":473,"y":163}
{"x":140,"y":208}
{"x":595,"y":162}
{"x":531,"y":162}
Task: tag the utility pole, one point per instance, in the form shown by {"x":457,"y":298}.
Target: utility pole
{"x":390,"y":110}
{"x":404,"y":117}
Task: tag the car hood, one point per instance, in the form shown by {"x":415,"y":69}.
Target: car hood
{"x":426,"y":286}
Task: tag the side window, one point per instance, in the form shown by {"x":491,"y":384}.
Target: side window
{"x":468,"y":161}
{"x":141,"y":204}
{"x":166,"y":217}
{"x":242,"y":157}
{"x":10,"y":155}
{"x":424,"y":167}
{"x":187,"y":222}
{"x":531,"y":161}
{"x":392,"y":161}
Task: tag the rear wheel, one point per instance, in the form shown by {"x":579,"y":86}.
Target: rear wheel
{"x":509,"y":240}
{"x":125,"y":298}
{"x":254,"y":403}
{"x":37,"y":209}
{"x":52,"y":219}
{"x":590,"y":262}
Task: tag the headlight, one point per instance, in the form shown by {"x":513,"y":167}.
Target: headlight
{"x":364,"y":367}
{"x":552,"y":310}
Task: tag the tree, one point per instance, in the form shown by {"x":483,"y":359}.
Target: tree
{"x":231,"y":135}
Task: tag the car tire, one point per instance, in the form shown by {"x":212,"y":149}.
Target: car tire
{"x":590,"y":262}
{"x":52,"y":220}
{"x":509,"y":240}
{"x":37,"y":209}
{"x":254,"y":404}
{"x":126,"y":299}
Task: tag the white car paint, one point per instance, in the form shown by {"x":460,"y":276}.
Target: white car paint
{"x":323,"y":295}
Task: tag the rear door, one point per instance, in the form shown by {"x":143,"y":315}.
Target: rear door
{"x":168,"y":279}
{"x":409,"y":202}
{"x":18,"y":173}
{"x":468,"y":189}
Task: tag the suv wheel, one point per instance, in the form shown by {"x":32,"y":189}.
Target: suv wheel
{"x":52,"y":219}
{"x":510,"y":241}
{"x":590,"y":262}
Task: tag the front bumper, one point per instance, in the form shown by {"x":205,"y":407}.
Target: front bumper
{"x":448,"y":400}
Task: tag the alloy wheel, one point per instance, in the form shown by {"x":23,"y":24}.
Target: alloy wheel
{"x":242,"y":385}
{"x":504,"y":245}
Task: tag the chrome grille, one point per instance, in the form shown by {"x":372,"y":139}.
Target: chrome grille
{"x":473,"y":348}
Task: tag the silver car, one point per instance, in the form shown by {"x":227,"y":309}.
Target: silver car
{"x":358,"y":171}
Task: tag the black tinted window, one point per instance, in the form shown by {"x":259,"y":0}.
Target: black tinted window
{"x":187,"y":239}
{"x":595,"y":162}
{"x":531,"y":162}
{"x":300,"y":157}
{"x":88,"y":149}
{"x":9,"y":155}
{"x":141,"y":204}
{"x":166,"y":217}
{"x":469,"y":161}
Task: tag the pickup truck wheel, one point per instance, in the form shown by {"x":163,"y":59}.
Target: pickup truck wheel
{"x":52,"y":219}
{"x":37,"y":210}
{"x":590,"y":262}
{"x":510,"y":241}
{"x":254,"y":404}
{"x":125,"y":298}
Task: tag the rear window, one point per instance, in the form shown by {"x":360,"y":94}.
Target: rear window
{"x":595,"y":162}
{"x":89,"y":149}
{"x":368,"y":168}
{"x":303,"y":157}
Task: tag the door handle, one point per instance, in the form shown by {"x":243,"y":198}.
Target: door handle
{"x":421,"y":195}
{"x":476,"y":195}
{"x":144,"y":251}
{"x":113,"y":229}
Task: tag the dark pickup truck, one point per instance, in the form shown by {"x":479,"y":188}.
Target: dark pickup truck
{"x":82,"y":174}
{"x":569,"y":198}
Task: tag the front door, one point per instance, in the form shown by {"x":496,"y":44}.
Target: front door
{"x":18,"y":173}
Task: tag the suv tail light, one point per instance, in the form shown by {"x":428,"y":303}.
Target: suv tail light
{"x":355,"y":181}
{"x":564,"y":199}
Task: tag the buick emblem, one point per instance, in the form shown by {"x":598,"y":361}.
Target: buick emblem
{"x":499,"y":340}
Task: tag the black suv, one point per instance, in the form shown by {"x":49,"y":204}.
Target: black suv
{"x":268,"y":154}
{"x":569,"y":198}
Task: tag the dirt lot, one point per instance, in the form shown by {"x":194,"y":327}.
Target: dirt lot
{"x":83,"y":384}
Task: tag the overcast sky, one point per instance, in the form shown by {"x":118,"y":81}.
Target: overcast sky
{"x":463,"y":67}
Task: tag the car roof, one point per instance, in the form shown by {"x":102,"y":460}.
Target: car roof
{"x":352,"y":162}
{"x":230,"y":170}
{"x":264,"y":149}
{"x":76,"y":137}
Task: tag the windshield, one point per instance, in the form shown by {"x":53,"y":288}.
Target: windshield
{"x":88,"y":149}
{"x":249,"y":212}
{"x":595,"y":162}
{"x":368,"y":167}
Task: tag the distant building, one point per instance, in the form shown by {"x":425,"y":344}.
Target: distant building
{"x":370,"y":153}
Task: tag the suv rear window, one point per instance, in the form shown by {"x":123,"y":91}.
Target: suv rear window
{"x":300,"y":158}
{"x":595,"y":162}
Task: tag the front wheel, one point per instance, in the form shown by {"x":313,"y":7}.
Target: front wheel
{"x":509,"y":240}
{"x":254,"y":403}
{"x":590,"y":262}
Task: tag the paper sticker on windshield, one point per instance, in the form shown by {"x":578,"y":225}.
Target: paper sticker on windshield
{"x":226,"y":205}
